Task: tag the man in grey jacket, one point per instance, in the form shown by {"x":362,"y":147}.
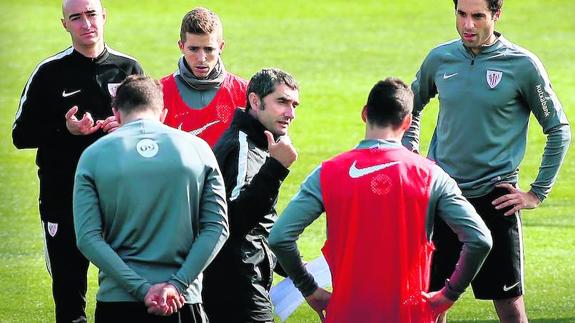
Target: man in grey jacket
{"x":487,"y":88}
{"x":149,"y":212}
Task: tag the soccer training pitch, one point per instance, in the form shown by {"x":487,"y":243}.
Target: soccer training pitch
{"x":336,"y":50}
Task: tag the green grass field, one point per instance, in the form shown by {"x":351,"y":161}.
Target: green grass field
{"x":337,"y":50}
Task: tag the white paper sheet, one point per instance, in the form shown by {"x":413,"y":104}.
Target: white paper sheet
{"x":286,"y":298}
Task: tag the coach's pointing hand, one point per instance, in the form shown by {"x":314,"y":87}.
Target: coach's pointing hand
{"x":84,"y":126}
{"x":109,"y":124}
{"x":283,"y":150}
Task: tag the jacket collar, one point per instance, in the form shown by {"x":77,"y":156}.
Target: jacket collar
{"x":497,"y":45}
{"x":251,"y":127}
{"x":378,"y":143}
{"x":97,"y":60}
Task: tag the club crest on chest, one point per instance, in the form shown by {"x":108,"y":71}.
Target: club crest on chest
{"x":493,"y":78}
{"x":52,"y":229}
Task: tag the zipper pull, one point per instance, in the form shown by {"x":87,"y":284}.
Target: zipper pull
{"x":495,"y":180}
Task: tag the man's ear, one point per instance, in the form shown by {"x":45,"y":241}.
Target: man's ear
{"x":117,"y":115}
{"x":497,"y":15}
{"x":64,"y":23}
{"x":364,"y":114}
{"x":254,"y":101}
{"x":406,"y":122}
{"x":163,"y":115}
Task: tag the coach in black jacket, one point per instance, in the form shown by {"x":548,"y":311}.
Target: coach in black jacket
{"x":66,"y":106}
{"x":254,"y":155}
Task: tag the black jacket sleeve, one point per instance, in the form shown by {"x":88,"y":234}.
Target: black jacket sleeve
{"x":256,"y":198}
{"x":34,"y":123}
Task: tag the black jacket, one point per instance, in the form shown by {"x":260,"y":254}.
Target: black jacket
{"x":57,"y":84}
{"x":237,"y":283}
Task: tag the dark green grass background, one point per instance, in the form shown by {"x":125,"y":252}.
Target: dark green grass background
{"x":337,"y":50}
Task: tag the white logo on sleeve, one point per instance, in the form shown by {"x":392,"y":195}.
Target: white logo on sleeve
{"x":355,"y":172}
{"x":52,"y":229}
{"x":112,"y":88}
{"x":506,"y":289}
{"x":447,"y":76}
{"x":543,"y":100}
{"x":497,"y":55}
{"x":147,"y":148}
{"x":493,"y":78}
{"x":67,"y":94}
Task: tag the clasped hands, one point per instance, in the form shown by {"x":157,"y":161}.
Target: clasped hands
{"x":86,"y":125}
{"x":163,"y":299}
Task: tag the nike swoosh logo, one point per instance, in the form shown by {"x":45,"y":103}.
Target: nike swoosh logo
{"x":65,"y":95}
{"x":506,"y":289}
{"x":494,"y":56}
{"x":198,"y":131}
{"x":446,"y":76}
{"x":355,"y":172}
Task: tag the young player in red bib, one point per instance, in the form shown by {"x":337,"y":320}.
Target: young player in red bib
{"x":201,"y":96}
{"x":380,"y":201}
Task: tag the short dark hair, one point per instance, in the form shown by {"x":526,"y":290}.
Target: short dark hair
{"x":138,"y":93}
{"x":201,"y":21}
{"x":265,"y":82}
{"x":492,"y":5}
{"x":389,"y":102}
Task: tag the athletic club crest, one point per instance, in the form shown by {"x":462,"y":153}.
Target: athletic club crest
{"x":493,"y":78}
{"x":112,"y":88}
{"x":52,"y":228}
{"x":381,"y":184}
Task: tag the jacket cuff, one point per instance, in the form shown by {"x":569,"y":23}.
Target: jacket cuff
{"x":142,"y":291}
{"x":541,"y":196}
{"x":450,"y":292}
{"x":277,"y":168}
{"x":179,"y":284}
{"x":308,"y":288}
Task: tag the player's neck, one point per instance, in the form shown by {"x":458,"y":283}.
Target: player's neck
{"x":387,"y":133}
{"x":91,"y":51}
{"x":487,"y":43}
{"x":139,"y":115}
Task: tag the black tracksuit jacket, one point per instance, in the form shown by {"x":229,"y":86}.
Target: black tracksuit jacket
{"x":57,"y":84}
{"x":236,"y":284}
